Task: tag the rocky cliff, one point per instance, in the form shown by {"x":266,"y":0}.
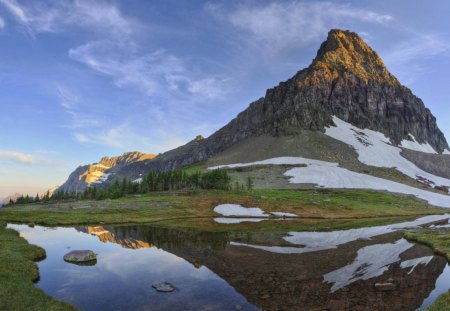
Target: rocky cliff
{"x":346,"y":79}
{"x":97,"y":173}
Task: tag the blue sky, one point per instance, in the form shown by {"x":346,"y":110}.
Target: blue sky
{"x":84,"y":79}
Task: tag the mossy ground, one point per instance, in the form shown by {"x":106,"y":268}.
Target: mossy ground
{"x":17,"y":273}
{"x":317,"y":208}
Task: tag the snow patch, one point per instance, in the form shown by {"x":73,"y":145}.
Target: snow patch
{"x":375,"y":149}
{"x":224,"y":220}
{"x":273,"y":249}
{"x":446,"y":151}
{"x":413,"y":144}
{"x":282,"y":214}
{"x":329,"y":175}
{"x":371,"y":261}
{"x":102,"y":178}
{"x":238,"y":210}
{"x":413,"y":263}
{"x":138,"y":180}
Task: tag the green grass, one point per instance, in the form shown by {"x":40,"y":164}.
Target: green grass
{"x":439,"y":241}
{"x":323,"y":209}
{"x":17,"y":273}
{"x":195,"y":167}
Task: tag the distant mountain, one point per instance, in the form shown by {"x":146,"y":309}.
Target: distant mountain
{"x":345,"y":108}
{"x":12,"y":197}
{"x":98,"y":173}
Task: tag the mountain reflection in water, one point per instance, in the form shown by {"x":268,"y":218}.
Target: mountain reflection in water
{"x":198,"y":263}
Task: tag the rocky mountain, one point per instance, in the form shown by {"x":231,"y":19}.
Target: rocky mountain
{"x":346,"y":79}
{"x":346,"y":87}
{"x":97,"y":173}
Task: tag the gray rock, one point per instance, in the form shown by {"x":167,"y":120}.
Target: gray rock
{"x":80,"y":256}
{"x":164,"y":287}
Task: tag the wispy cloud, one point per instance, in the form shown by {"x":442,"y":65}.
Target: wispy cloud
{"x":18,"y":157}
{"x":55,"y":16}
{"x":408,"y":58}
{"x":2,"y":23}
{"x":422,"y":46}
{"x":157,"y":73}
{"x":121,"y":137}
{"x":281,"y":26}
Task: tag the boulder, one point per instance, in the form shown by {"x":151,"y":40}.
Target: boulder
{"x":81,"y":256}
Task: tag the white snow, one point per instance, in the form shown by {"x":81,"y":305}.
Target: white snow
{"x":238,"y":210}
{"x":446,"y":151}
{"x":413,"y":263}
{"x":375,"y":149}
{"x":282,"y":214}
{"x":138,"y":180}
{"x":371,"y":261}
{"x":413,"y":144}
{"x":225,"y":220}
{"x":102,"y":178}
{"x":317,"y":241}
{"x":328,"y":174}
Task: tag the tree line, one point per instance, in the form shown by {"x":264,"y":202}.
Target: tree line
{"x":152,"y":182}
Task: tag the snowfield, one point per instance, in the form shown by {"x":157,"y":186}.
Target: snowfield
{"x":446,"y":151}
{"x":330,"y":175}
{"x":375,"y":149}
{"x":413,"y":144}
{"x":238,"y":210}
{"x":224,"y":220}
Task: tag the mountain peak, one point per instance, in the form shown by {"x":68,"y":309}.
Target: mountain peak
{"x":345,"y":53}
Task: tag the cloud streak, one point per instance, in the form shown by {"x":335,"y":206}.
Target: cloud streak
{"x":281,"y":26}
{"x":56,"y":16}
{"x":17,"y":157}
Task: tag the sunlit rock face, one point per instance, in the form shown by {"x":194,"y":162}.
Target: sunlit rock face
{"x":98,"y":173}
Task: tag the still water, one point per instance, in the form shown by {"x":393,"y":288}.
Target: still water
{"x":374,"y":270}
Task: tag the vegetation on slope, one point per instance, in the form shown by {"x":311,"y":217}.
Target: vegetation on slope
{"x":317,"y":209}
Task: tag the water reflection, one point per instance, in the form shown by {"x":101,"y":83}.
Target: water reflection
{"x":218,"y":271}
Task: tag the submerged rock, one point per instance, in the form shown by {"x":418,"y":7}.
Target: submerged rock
{"x":81,"y":257}
{"x":164,"y":287}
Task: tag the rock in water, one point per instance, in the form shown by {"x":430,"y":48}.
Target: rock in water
{"x":81,"y":257}
{"x":164,"y":287}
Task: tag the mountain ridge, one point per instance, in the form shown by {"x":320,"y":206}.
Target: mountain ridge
{"x":346,"y":79}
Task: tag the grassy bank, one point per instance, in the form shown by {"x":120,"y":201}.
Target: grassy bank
{"x":439,"y":241}
{"x":17,"y":273}
{"x":318,"y":209}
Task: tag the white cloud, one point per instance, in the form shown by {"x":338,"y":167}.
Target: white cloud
{"x":294,"y":24}
{"x":158,"y":73}
{"x":17,"y":157}
{"x":16,"y":10}
{"x":422,"y":46}
{"x":407,"y":59}
{"x":2,"y":23}
{"x":55,"y":16}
